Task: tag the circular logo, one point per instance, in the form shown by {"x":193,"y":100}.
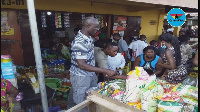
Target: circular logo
{"x":176,"y":17}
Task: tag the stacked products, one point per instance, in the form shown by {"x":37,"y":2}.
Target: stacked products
{"x":150,"y":94}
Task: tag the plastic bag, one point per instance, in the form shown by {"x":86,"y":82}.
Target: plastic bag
{"x":118,"y":95}
{"x":133,"y":88}
{"x":136,"y":105}
{"x":188,"y":108}
{"x":190,"y":101}
{"x":189,"y":92}
{"x":190,"y":81}
{"x":149,"y":96}
{"x":165,"y":106}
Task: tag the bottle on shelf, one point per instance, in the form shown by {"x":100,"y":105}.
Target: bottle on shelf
{"x":47,"y":69}
{"x":62,"y":68}
{"x":58,"y":68}
{"x":55,"y":68}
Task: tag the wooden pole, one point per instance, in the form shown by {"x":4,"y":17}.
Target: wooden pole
{"x":37,"y":52}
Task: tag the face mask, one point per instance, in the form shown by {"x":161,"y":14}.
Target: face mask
{"x":164,"y":47}
{"x":145,"y":41}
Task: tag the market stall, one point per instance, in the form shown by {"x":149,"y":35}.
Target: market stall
{"x":144,"y":93}
{"x":26,"y":80}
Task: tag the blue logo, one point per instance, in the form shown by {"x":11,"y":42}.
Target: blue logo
{"x":176,"y":17}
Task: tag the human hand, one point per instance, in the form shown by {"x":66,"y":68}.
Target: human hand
{"x":10,"y":99}
{"x":111,"y":73}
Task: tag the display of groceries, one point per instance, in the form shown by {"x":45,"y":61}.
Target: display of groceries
{"x":151,"y":94}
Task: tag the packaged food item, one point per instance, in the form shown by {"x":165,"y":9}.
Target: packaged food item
{"x":190,"y":101}
{"x":166,"y":106}
{"x":135,"y":81}
{"x":172,"y":96}
{"x":118,"y":95}
{"x":188,"y":108}
{"x":35,"y":87}
{"x":189,"y":92}
{"x":133,"y":88}
{"x":136,"y":105}
{"x":190,"y":80}
{"x":149,"y":96}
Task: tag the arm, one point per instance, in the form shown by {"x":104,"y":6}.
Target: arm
{"x":119,"y":77}
{"x":12,"y":92}
{"x":196,"y":59}
{"x":137,"y":62}
{"x":158,"y":68}
{"x":83,"y":65}
{"x":101,"y":61}
{"x":170,"y":59}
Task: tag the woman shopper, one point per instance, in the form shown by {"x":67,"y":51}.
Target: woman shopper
{"x":175,"y":71}
{"x":149,"y":61}
{"x":185,"y":48}
{"x":8,"y":94}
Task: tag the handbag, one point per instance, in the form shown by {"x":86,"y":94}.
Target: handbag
{"x":176,"y":76}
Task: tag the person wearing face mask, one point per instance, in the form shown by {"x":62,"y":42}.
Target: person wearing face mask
{"x":149,"y":61}
{"x":175,"y":71}
{"x":136,"y":48}
{"x":123,"y":46}
{"x":159,"y":50}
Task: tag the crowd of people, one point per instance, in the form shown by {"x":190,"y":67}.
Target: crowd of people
{"x":92,"y":62}
{"x":165,"y":58}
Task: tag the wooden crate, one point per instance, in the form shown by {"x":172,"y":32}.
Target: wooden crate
{"x":101,"y":103}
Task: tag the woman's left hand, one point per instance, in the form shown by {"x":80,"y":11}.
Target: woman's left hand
{"x":10,"y":99}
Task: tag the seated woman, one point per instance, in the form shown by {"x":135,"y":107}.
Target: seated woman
{"x":175,"y":70}
{"x":8,"y":94}
{"x":149,"y":61}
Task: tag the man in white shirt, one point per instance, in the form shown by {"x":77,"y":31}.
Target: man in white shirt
{"x":136,"y":47}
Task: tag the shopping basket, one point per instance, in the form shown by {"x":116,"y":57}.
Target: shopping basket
{"x":53,"y":82}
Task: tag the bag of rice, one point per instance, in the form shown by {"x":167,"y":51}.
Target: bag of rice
{"x":133,"y":88}
{"x":189,"y":92}
{"x":166,"y":106}
{"x":149,"y":96}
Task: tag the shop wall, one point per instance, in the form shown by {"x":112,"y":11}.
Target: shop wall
{"x":151,"y":31}
{"x":11,"y":40}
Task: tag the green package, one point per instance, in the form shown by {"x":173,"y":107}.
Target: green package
{"x":149,"y":96}
{"x":167,"y":106}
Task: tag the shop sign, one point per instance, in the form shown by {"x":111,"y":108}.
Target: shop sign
{"x":12,"y":2}
{"x":176,"y":17}
{"x":120,"y":24}
{"x":152,"y":22}
{"x":5,"y":28}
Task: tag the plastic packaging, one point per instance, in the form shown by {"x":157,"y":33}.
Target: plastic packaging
{"x":190,"y":81}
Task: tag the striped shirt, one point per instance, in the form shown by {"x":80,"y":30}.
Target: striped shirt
{"x":82,"y":48}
